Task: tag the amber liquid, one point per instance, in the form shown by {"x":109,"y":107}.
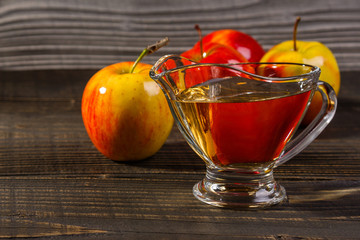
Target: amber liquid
{"x":238,"y":123}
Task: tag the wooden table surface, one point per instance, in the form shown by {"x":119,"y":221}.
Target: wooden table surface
{"x":55,"y":185}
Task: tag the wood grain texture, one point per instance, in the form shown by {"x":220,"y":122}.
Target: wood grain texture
{"x":78,"y":34}
{"x":55,"y":185}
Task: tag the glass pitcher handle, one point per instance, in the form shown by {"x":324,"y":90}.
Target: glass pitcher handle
{"x":313,"y":130}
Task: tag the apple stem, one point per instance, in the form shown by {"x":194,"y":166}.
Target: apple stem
{"x":295,"y":31}
{"x":198,"y":29}
{"x":149,"y":50}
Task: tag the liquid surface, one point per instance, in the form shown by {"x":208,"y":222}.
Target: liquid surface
{"x":237,"y":89}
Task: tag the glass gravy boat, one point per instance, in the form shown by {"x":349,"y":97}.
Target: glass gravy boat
{"x":241,"y":120}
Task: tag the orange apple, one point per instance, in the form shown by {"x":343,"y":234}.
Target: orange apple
{"x":313,"y":53}
{"x":125,"y":112}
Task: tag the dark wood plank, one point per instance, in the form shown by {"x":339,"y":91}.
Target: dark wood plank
{"x":55,"y":184}
{"x":80,"y":34}
{"x":47,"y":85}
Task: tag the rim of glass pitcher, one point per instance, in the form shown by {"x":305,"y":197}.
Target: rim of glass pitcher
{"x":314,"y":69}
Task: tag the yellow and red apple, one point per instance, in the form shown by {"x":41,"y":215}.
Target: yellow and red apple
{"x":313,"y":53}
{"x":125,"y":112}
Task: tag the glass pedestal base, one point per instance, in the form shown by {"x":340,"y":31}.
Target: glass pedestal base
{"x":234,"y":189}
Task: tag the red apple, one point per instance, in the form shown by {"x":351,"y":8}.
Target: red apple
{"x":125,"y":112}
{"x":241,"y":42}
{"x":211,"y":52}
{"x":216,"y":53}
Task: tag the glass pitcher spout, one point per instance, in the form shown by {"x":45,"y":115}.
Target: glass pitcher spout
{"x":175,"y":74}
{"x":169,"y":74}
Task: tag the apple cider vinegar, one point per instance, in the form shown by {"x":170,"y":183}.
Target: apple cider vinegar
{"x":241,"y":123}
{"x":232,"y":125}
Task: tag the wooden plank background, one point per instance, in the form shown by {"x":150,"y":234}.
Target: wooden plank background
{"x":79,"y":34}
